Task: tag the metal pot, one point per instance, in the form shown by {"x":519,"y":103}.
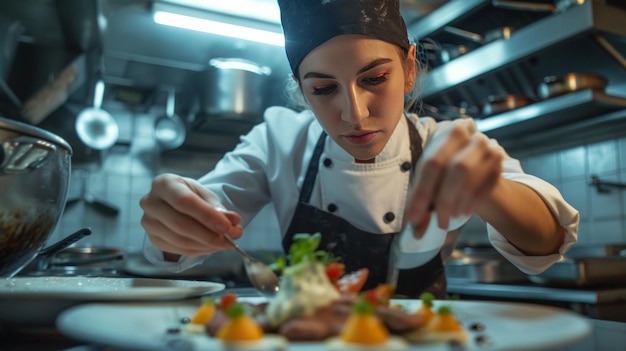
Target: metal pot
{"x":571,"y":82}
{"x":505,"y":103}
{"x":233,"y":88}
{"x":34,"y":178}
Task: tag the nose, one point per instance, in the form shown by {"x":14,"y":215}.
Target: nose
{"x":355,"y":106}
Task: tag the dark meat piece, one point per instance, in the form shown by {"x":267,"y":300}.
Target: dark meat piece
{"x":322,"y":324}
{"x":306,"y":330}
{"x":398,"y":321}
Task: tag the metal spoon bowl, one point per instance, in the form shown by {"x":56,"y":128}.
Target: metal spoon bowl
{"x":260,"y":275}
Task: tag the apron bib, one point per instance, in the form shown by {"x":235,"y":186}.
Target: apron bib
{"x":358,"y":248}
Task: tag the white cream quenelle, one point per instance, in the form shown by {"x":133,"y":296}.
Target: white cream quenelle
{"x":304,"y":288}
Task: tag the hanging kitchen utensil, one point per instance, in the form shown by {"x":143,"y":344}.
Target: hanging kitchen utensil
{"x":557,"y":85}
{"x":169,"y":129}
{"x":96,"y":127}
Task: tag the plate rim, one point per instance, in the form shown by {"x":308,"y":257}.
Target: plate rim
{"x":150,"y":293}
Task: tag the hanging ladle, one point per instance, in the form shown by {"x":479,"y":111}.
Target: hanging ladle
{"x":96,"y":127}
{"x":169,"y":129}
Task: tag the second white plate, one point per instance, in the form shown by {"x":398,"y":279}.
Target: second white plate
{"x":36,"y":301}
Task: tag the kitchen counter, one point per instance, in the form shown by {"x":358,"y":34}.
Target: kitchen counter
{"x":606,"y":303}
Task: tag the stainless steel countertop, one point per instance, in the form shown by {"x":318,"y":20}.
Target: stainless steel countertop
{"x":529,"y":292}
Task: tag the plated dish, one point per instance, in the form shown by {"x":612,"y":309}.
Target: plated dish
{"x":144,"y":326}
{"x":321,"y":306}
{"x":36,"y":301}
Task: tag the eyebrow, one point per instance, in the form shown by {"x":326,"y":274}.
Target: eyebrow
{"x":376,"y":62}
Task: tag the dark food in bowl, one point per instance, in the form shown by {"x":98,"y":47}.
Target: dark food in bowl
{"x":21,"y":238}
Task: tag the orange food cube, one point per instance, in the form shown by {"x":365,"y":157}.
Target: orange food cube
{"x":364,"y":329}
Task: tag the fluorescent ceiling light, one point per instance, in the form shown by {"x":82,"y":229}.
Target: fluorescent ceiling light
{"x":260,"y":10}
{"x":219,"y":28}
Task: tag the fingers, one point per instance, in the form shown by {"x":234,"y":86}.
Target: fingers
{"x":456,"y":172}
{"x":431,"y":169}
{"x":179,"y":218}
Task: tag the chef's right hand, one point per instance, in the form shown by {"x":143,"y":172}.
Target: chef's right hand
{"x":181,"y":217}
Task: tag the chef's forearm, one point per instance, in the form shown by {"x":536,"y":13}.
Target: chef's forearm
{"x":521,"y":215}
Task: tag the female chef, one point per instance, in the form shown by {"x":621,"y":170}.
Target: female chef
{"x":355,"y":165}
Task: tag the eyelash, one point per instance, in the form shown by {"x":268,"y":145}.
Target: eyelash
{"x":373,"y":81}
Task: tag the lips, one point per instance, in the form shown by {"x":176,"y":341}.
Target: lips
{"x":361,"y":138}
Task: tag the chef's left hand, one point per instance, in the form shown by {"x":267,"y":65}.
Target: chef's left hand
{"x":457,"y":170}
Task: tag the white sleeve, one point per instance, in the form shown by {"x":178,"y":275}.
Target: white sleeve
{"x":567,"y":216}
{"x":240,"y":179}
{"x":155,"y":256}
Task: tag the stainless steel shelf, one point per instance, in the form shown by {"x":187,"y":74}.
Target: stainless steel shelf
{"x":444,"y":15}
{"x":592,"y":16}
{"x":557,"y":111}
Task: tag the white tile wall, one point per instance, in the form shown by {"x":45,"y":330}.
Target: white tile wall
{"x":602,"y":215}
{"x":126,"y":173}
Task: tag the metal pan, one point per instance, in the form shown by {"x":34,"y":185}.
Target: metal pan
{"x":78,"y":256}
{"x":441,"y":53}
{"x":505,"y":103}
{"x":571,"y":82}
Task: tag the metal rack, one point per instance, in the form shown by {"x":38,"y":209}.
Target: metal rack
{"x":590,"y":36}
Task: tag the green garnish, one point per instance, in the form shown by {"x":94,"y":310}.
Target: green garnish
{"x":207,"y":300}
{"x":444,"y":310}
{"x":363,"y":307}
{"x":427,"y":299}
{"x":304,"y":249}
{"x":235,"y":310}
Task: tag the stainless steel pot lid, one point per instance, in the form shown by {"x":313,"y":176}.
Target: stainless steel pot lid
{"x":27,"y":129}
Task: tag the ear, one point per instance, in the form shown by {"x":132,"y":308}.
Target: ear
{"x":411,"y":69}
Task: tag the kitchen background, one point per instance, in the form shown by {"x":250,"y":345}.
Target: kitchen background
{"x":139,"y":61}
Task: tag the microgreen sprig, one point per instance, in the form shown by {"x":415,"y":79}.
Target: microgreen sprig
{"x":304,"y":249}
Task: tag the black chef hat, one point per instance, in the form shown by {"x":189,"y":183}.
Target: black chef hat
{"x":309,"y":23}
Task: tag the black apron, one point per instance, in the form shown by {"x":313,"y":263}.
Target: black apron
{"x":358,"y":248}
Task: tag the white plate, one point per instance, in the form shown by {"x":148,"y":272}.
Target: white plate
{"x":36,"y":301}
{"x":508,"y":326}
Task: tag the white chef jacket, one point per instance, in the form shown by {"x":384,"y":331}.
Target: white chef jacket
{"x":270,"y":162}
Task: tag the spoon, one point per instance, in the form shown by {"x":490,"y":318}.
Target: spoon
{"x":260,"y":275}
